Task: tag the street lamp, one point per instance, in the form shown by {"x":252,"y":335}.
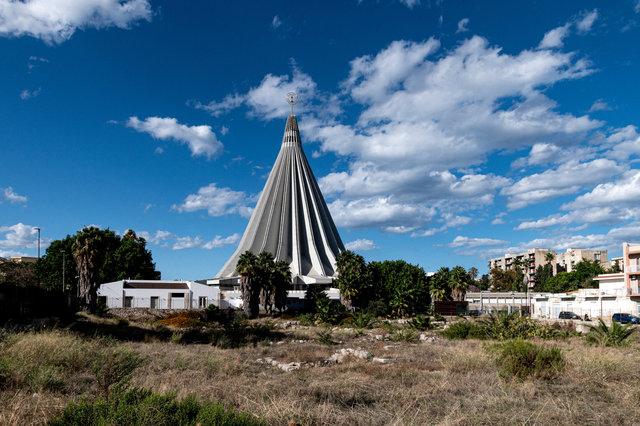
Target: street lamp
{"x":64,"y":253}
{"x":38,"y":268}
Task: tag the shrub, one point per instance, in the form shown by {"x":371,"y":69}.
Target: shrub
{"x":325,"y":337}
{"x":616,"y":335}
{"x":504,"y":326}
{"x":142,"y":407}
{"x":521,"y":359}
{"x":43,"y":378}
{"x":307,"y":319}
{"x":421,"y":322}
{"x":183,"y":319}
{"x":438,"y":317}
{"x":377,"y":308}
{"x":114,"y":367}
{"x":405,"y":335}
{"x":464,"y":330}
{"x":177,"y":337}
{"x":362,"y":319}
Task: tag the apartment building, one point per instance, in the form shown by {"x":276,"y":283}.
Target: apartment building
{"x":531,"y":259}
{"x":567,"y":261}
{"x":535,"y":257}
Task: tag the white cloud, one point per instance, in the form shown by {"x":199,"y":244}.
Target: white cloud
{"x":20,"y":236}
{"x":568,"y":178}
{"x":585,"y":23}
{"x":462,"y":25}
{"x":625,"y":192}
{"x":200,"y":139}
{"x":6,"y":254}
{"x":276,"y":22}
{"x":410,"y":3}
{"x":379,"y":212}
{"x":55,"y":21}
{"x":637,"y":7}
{"x":217,"y":202}
{"x":28,"y":94}
{"x":7,"y":194}
{"x":555,"y":37}
{"x":600,"y":105}
{"x":607,"y":215}
{"x":624,"y":143}
{"x":166,"y":239}
{"x":461,"y":241}
{"x":361,"y":244}
{"x":229,"y":103}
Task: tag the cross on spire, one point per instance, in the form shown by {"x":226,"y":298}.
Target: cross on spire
{"x":292,"y":99}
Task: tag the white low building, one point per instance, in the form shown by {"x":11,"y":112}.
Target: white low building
{"x":156,"y":294}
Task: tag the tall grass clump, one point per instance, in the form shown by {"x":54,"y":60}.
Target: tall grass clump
{"x":113,"y":369}
{"x":616,"y":335}
{"x":143,"y":407}
{"x":520,"y":359}
{"x":505,"y":326}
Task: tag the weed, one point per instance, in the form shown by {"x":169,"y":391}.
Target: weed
{"x":362,"y":319}
{"x":114,"y":367}
{"x":143,"y":407}
{"x":464,"y":330}
{"x":616,"y":335}
{"x":177,"y":337}
{"x":265,"y":342}
{"x":421,"y":322}
{"x":521,"y":359}
{"x":325,"y":337}
{"x":438,"y":317}
{"x":307,"y":319}
{"x":43,"y":378}
{"x":406,"y":335}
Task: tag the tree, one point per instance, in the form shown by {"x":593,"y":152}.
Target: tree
{"x":543,"y":274}
{"x":549,"y":256}
{"x":18,"y":273}
{"x":353,"y":278}
{"x":59,"y":256}
{"x":485,"y":282}
{"x":281,"y":283}
{"x":615,"y":267}
{"x":89,"y":253}
{"x":132,"y":259}
{"x":247,"y":267}
{"x":439,"y":285}
{"x":473,"y":273}
{"x":502,"y":280}
{"x":459,"y":281}
{"x":519,"y":266}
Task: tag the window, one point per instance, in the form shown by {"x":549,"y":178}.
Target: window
{"x":154,"y":302}
{"x":202,"y":302}
{"x":128,"y":301}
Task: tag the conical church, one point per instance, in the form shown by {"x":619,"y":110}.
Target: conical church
{"x":291,"y":219}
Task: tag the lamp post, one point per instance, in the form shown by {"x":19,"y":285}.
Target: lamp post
{"x":38,"y":264}
{"x":64,"y":254}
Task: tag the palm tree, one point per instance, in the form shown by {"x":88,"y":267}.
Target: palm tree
{"x":549,"y":257}
{"x":458,"y":283}
{"x":281,"y":281}
{"x":473,"y":273}
{"x":265,"y":279}
{"x":89,"y":255}
{"x":352,"y":276}
{"x":440,"y":284}
{"x":249,"y":286}
{"x":615,"y":335}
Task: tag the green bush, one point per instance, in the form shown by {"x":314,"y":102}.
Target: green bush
{"x":505,"y":326}
{"x":421,"y":322}
{"x":362,"y":319}
{"x":377,"y":308}
{"x":438,"y":317}
{"x":142,"y":407}
{"x":114,"y":367}
{"x":616,"y":335}
{"x":464,"y":330}
{"x":307,"y":319}
{"x":43,"y":378}
{"x":521,"y":359}
{"x":405,"y":335}
{"x":326,"y":338}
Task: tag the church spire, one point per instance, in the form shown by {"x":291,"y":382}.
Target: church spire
{"x":291,"y":219}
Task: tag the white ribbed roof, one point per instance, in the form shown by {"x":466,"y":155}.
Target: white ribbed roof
{"x":291,"y":219}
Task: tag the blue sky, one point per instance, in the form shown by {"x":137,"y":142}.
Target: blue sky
{"x":440,"y":132}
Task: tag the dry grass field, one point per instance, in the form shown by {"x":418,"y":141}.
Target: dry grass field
{"x":436,"y":381}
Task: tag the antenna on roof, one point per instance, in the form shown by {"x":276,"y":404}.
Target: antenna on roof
{"x":292,"y":99}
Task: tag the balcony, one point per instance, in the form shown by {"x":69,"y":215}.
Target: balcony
{"x":632,"y":268}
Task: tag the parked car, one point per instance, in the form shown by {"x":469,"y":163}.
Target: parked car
{"x":625,"y":318}
{"x":568,"y":315}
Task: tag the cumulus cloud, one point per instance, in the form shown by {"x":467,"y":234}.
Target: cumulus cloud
{"x":555,"y":37}
{"x":462,"y":25}
{"x":20,"y":236}
{"x":361,"y":244}
{"x":607,"y":215}
{"x":217,"y":202}
{"x":7,"y":194}
{"x":55,"y":21}
{"x":168,"y":239}
{"x":568,"y":178}
{"x":200,"y":139}
{"x":624,"y":192}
